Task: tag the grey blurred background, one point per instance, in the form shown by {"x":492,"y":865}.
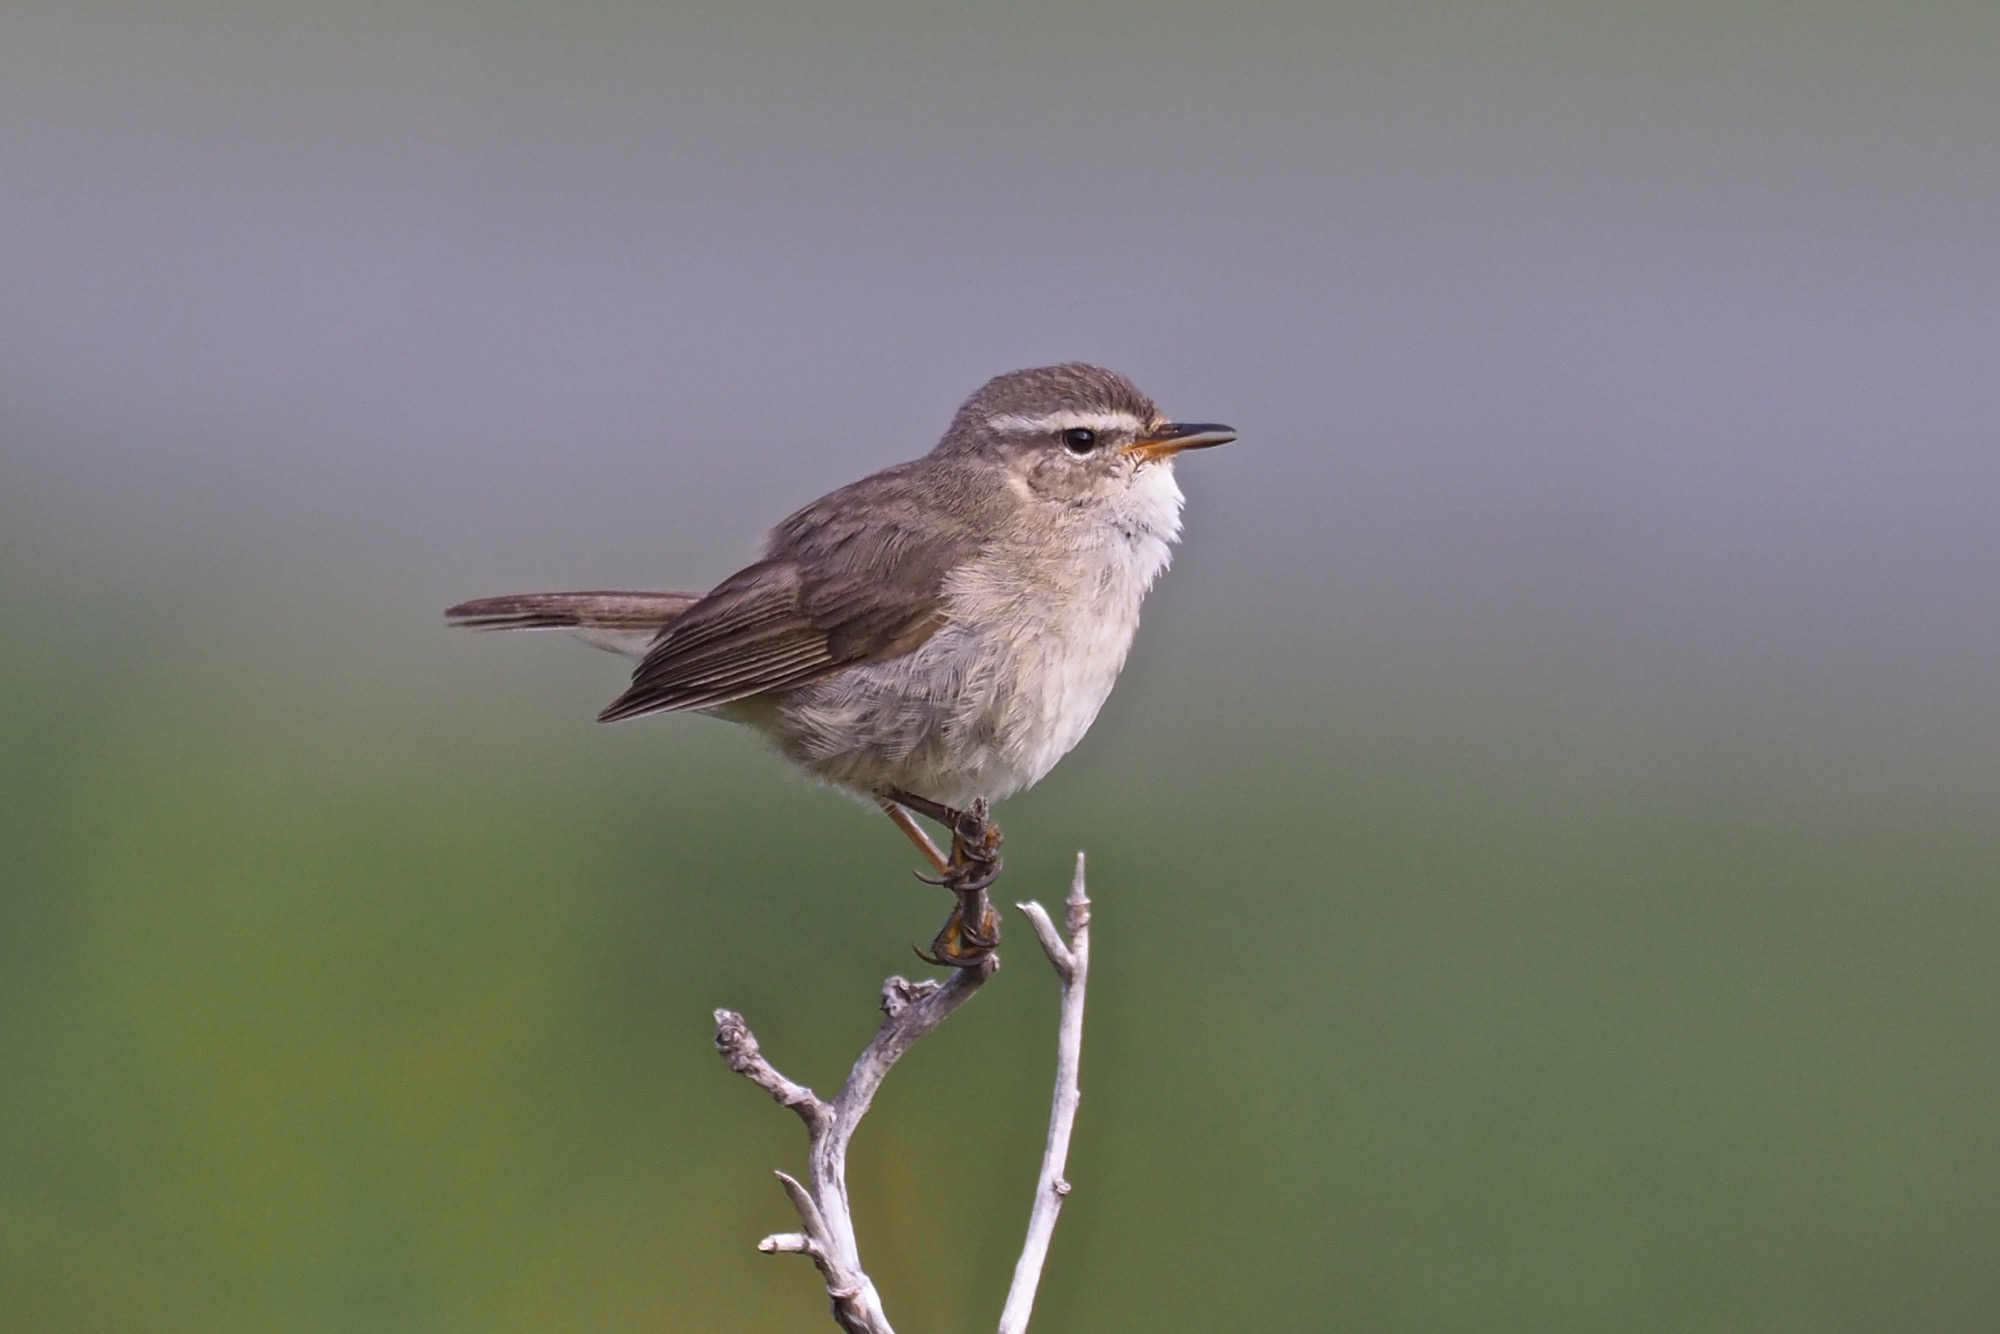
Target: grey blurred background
{"x":1544,"y":844}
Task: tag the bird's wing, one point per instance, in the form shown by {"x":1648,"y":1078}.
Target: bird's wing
{"x":856,"y":577}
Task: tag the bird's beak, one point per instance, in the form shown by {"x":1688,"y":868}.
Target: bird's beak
{"x":1172,"y":438}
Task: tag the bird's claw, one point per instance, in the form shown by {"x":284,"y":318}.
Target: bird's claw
{"x":972,"y":931}
{"x":965,"y":877}
{"x":971,"y":877}
{"x":961,"y":944}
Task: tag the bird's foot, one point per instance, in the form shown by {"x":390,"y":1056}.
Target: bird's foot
{"x":975,"y":844}
{"x":969,"y":936}
{"x":972,"y":931}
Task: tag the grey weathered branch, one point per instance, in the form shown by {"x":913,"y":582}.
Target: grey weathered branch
{"x":913,"y":1010}
{"x":1072,"y":965}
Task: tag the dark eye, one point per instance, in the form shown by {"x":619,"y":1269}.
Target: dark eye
{"x":1079,"y":440}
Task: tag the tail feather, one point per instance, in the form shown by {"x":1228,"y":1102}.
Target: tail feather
{"x":622,"y":622}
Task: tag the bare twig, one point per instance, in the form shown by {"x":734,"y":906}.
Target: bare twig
{"x":913,"y":1010}
{"x":1072,"y":965}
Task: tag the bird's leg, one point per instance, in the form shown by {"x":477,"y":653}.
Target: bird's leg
{"x":973,"y":929}
{"x":975,"y":839}
{"x":915,"y":833}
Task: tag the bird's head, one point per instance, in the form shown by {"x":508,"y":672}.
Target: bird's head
{"x":1075,"y":432}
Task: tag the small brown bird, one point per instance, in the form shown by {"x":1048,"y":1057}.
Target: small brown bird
{"x":933,"y":637}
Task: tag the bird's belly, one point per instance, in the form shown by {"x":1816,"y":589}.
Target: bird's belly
{"x":984,"y":708}
{"x":1057,"y":683}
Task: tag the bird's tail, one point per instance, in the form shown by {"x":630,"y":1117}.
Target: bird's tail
{"x":616,"y":621}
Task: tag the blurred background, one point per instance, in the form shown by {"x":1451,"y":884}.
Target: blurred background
{"x":1544,"y":845}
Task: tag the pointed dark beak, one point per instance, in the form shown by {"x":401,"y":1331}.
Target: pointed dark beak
{"x":1172,"y":438}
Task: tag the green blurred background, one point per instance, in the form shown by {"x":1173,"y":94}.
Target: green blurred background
{"x":1544,"y":846}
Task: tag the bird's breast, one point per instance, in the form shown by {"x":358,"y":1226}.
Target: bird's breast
{"x":1050,"y":632}
{"x":1036,"y":632}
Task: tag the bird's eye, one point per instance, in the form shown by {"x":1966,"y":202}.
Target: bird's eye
{"x":1079,"y":440}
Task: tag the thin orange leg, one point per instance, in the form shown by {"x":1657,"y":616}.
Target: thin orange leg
{"x":915,"y":833}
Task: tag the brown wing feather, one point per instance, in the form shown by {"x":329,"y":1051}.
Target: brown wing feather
{"x":857,"y":576}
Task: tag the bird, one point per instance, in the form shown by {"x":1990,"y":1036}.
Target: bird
{"x":936,"y":636}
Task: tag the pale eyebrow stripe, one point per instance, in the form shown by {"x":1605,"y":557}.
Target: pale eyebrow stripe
{"x":1067,"y":420}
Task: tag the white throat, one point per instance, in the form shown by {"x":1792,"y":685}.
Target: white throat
{"x":1148,"y":516}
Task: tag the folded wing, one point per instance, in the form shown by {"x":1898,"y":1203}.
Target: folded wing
{"x":856,"y":577}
